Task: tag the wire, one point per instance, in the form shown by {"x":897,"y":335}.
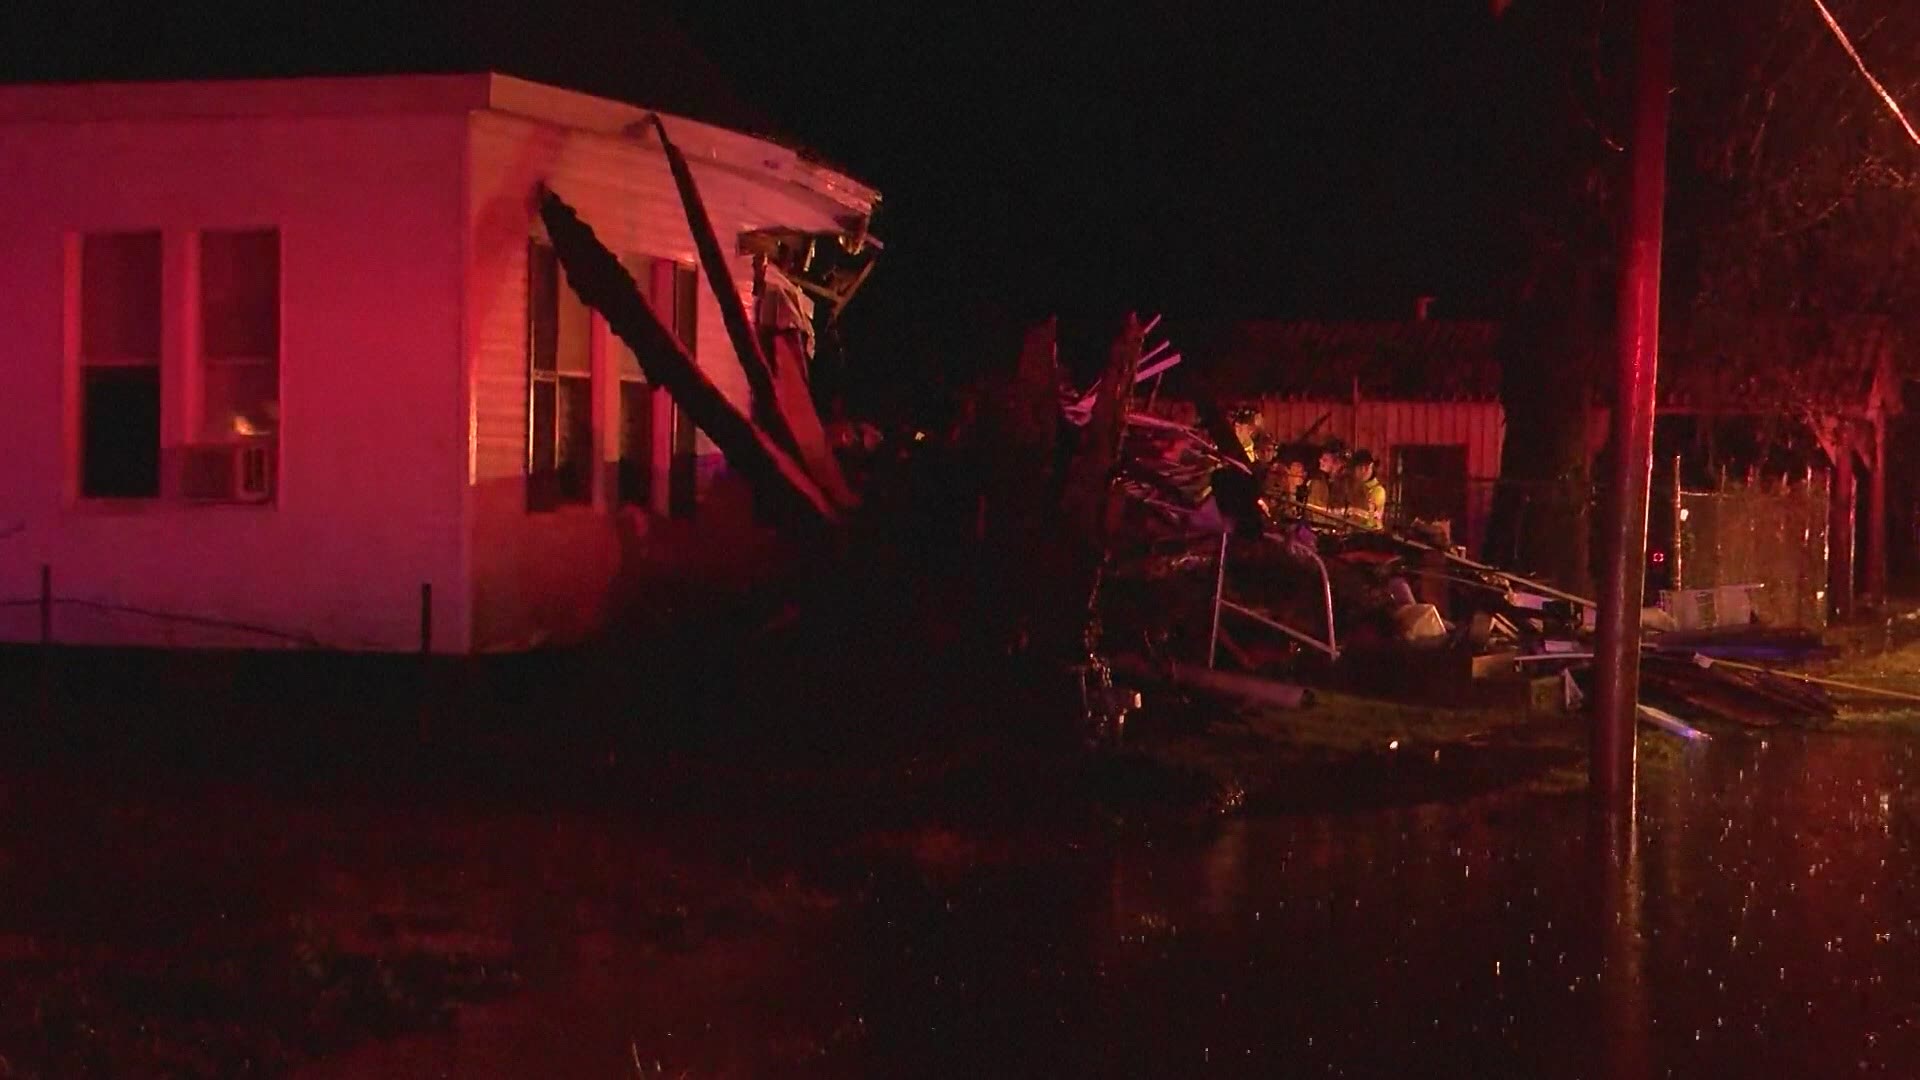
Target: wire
{"x":194,"y":620}
{"x":1862,"y":65}
{"x":168,"y":616}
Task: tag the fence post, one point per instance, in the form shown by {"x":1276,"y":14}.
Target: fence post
{"x":1678,"y":545}
{"x":426,"y":618}
{"x":43,"y":675}
{"x":426,"y":660}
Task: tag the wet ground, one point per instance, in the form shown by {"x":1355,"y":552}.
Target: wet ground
{"x":1763,"y":918}
{"x":1405,"y":893}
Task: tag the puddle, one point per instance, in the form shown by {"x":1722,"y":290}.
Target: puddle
{"x":1761,"y":916}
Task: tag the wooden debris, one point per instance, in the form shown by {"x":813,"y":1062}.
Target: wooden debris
{"x":604,"y":285}
{"x":1671,"y":724}
{"x":1859,"y":688}
{"x":782,"y":403}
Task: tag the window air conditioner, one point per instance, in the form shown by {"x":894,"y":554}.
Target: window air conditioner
{"x":227,"y":472}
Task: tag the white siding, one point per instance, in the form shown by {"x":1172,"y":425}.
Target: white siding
{"x":369,"y":508}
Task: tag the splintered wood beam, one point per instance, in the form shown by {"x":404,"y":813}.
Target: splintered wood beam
{"x":845,"y":295}
{"x":603,"y":284}
{"x":1092,"y":473}
{"x":1157,"y":368}
{"x":782,"y":401}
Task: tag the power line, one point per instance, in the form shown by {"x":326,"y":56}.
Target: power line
{"x":1862,"y":65}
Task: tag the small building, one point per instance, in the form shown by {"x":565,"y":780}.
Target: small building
{"x":1421,"y":394}
{"x":289,"y":360}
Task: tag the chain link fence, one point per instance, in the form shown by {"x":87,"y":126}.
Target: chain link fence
{"x":1770,"y":535}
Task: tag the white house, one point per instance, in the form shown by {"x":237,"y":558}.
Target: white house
{"x":277,"y":354}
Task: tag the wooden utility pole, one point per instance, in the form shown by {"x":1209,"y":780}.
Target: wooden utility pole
{"x":1876,"y":545}
{"x":1842,"y":527}
{"x":1624,"y":532}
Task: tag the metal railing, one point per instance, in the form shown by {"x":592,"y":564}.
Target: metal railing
{"x":1330,"y":646}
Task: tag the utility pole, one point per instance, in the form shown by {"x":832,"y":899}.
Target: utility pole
{"x":1617,"y":652}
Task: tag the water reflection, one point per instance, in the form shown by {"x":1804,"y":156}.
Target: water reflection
{"x":1756,"y":912}
{"x":1756,"y":915}
{"x":1622,"y":891}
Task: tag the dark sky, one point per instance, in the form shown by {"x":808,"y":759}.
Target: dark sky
{"x":1319,"y":159}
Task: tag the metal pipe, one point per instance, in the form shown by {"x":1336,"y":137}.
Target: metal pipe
{"x":426,"y":618}
{"x":1302,"y":638}
{"x":1617,"y":671}
{"x":1219,"y":588}
{"x":1326,"y":594}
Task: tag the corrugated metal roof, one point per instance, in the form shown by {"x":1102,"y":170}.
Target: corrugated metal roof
{"x":1414,"y":360}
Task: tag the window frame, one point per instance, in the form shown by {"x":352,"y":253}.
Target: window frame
{"x":88,"y":358}
{"x":546,"y":488}
{"x":671,"y":288}
{"x":199,"y":431}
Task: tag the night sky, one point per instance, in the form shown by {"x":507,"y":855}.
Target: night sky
{"x":1316,"y":160}
{"x":1317,"y":155}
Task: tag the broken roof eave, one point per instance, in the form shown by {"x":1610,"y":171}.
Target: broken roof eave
{"x":745,"y":155}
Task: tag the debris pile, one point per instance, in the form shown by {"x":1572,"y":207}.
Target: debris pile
{"x":1291,"y":591}
{"x":1183,"y":539}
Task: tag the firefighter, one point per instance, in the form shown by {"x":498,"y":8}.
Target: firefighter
{"x":1327,"y":487}
{"x":1286,"y":488}
{"x":1367,"y":496}
{"x":1246,"y":428}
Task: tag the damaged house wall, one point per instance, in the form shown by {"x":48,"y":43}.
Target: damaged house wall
{"x":558,"y":574}
{"x":404,"y":210}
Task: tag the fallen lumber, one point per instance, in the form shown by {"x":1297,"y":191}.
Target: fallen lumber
{"x":1792,"y":695}
{"x":1540,"y":587}
{"x":1728,"y":694}
{"x":1897,"y":695}
{"x":595,"y":274}
{"x":1671,"y":724}
{"x":782,"y":402}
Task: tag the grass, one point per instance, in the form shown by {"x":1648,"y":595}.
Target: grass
{"x":1346,"y":752}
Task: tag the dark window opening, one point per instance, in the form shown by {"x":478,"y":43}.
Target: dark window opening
{"x":120,"y":452}
{"x":560,"y":392}
{"x":120,"y":365}
{"x":636,"y":443}
{"x":672,"y":291}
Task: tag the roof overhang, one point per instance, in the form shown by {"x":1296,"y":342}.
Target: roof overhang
{"x":415,"y":94}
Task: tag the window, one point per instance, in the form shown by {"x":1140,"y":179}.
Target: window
{"x":120,"y":365}
{"x":240,"y":334}
{"x":672,"y":290}
{"x":231,"y":438}
{"x":560,"y":378}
